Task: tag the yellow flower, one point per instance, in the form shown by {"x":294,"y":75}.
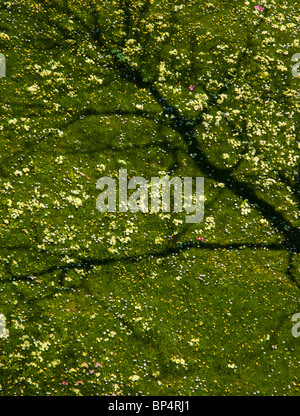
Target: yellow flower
{"x":4,"y":36}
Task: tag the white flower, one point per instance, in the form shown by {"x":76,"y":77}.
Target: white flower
{"x":94,"y":78}
{"x":178,"y":360}
{"x":112,"y":241}
{"x":209,"y":223}
{"x":159,"y":240}
{"x":18,"y":173}
{"x":45,"y":73}
{"x":66,"y":259}
{"x":59,"y":160}
{"x":75,"y":201}
{"x":193,"y":341}
{"x":100,"y":168}
{"x":34,"y":88}
{"x":219,"y":185}
{"x":89,"y":61}
{"x":135,"y":377}
{"x":245,"y":208}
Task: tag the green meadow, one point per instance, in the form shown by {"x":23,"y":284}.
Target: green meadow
{"x":144,"y":303}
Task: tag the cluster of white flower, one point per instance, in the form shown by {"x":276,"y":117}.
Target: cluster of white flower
{"x":77,"y":202}
{"x":59,"y":159}
{"x":178,"y":360}
{"x":210,"y":223}
{"x":193,"y":341}
{"x":245,"y":208}
{"x":134,"y":377}
{"x":33,"y":88}
{"x":93,"y":78}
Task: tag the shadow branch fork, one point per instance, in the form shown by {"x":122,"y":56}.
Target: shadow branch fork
{"x":185,"y":128}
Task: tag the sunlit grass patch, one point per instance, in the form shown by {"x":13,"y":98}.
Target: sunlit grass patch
{"x":145,"y":303}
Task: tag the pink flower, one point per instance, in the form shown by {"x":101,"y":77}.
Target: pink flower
{"x":201,"y":239}
{"x":64,"y":383}
{"x":259,"y":8}
{"x":191,"y":87}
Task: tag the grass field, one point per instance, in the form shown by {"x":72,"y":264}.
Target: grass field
{"x":123,"y":303}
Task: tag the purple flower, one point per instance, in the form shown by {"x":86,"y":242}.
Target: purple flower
{"x":191,"y":87}
{"x":261,"y":9}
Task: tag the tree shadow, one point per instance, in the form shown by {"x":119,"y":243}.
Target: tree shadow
{"x":185,"y":127}
{"x":175,"y":249}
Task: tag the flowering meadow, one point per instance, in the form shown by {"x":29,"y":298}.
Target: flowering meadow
{"x":123,"y":303}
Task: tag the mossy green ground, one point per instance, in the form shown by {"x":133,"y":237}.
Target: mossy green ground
{"x":146,"y":304}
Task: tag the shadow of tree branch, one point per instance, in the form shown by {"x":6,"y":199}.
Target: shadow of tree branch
{"x":89,"y":263}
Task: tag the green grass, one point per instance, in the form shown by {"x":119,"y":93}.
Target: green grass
{"x":93,"y":299}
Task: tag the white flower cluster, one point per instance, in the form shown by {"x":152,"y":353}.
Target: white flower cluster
{"x":178,"y":360}
{"x":210,"y":223}
{"x":95,"y":79}
{"x":245,"y":208}
{"x":77,"y":202}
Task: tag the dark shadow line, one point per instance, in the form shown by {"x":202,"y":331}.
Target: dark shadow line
{"x":86,"y":263}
